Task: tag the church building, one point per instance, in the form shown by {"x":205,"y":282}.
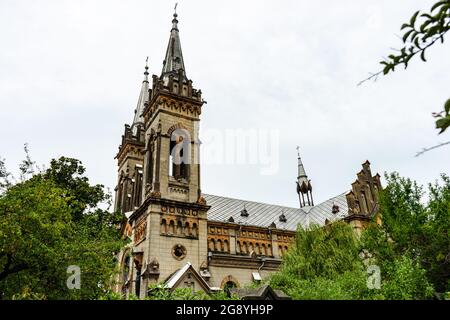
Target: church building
{"x":185,"y":238}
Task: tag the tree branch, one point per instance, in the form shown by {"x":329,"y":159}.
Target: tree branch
{"x":431,"y":148}
{"x":7,"y":270}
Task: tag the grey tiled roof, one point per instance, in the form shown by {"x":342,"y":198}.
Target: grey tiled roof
{"x":263,"y":214}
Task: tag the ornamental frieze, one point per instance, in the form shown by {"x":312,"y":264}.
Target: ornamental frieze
{"x":179,"y":211}
{"x":140,"y":231}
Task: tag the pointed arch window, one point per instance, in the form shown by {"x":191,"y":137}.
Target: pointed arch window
{"x":179,"y":154}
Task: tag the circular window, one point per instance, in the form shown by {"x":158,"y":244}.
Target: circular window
{"x":179,"y":252}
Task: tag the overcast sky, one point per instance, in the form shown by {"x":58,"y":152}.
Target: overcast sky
{"x":70,"y":75}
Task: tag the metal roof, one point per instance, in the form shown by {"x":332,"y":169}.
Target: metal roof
{"x":263,"y":214}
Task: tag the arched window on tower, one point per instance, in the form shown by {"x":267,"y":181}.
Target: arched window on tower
{"x":212,"y":245}
{"x":120,"y":195}
{"x":172,"y":227}
{"x":137,"y":192}
{"x":125,"y":273}
{"x":187,"y":229}
{"x":149,"y":167}
{"x":226,"y":247}
{"x":179,"y":228}
{"x":194,"y":230}
{"x":163,"y":226}
{"x":264,"y":249}
{"x":179,"y":157}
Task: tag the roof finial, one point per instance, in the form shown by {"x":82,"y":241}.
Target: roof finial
{"x":175,"y":15}
{"x":146,"y":70}
{"x":298,"y":151}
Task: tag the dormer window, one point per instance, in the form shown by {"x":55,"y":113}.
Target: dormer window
{"x":282,"y":218}
{"x":335,"y":209}
{"x":244,"y":213}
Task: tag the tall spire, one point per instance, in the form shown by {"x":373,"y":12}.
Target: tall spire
{"x":301,"y":176}
{"x":173,"y":61}
{"x":143,"y":97}
{"x":304,"y":187}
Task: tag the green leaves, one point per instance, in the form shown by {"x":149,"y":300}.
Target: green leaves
{"x":447,"y":106}
{"x":52,"y":221}
{"x":417,"y":229}
{"x":443,"y":124}
{"x":412,"y":22}
{"x":439,"y":4}
{"x":419,"y":34}
{"x":408,"y":247}
{"x":418,"y":40}
{"x":422,"y":56}
{"x":443,"y":118}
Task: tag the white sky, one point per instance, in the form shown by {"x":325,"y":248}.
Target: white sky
{"x":70,"y":74}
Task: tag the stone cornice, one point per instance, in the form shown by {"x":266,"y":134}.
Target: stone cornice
{"x":244,"y":262}
{"x":126,"y":147}
{"x":156,"y":200}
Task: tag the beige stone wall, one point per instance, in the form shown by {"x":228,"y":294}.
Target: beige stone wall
{"x":159,"y":247}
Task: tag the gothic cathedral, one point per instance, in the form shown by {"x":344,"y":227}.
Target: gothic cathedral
{"x":181,"y":237}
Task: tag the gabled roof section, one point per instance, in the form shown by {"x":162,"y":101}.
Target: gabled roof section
{"x":178,"y":276}
{"x":264,"y":292}
{"x":173,"y":61}
{"x":263,"y":214}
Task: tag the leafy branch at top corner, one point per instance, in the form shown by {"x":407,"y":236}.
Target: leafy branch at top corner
{"x":421,"y":32}
{"x":420,"y":35}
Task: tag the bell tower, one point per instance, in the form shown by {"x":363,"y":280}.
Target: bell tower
{"x":170,"y":224}
{"x":172,"y":115}
{"x":130,"y":157}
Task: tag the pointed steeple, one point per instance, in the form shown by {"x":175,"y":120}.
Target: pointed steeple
{"x":301,"y":176}
{"x":173,"y":61}
{"x":143,"y":97}
{"x":304,"y":186}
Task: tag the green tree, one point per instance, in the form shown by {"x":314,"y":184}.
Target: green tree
{"x":331,"y":262}
{"x":414,"y":229}
{"x":50,"y":221}
{"x":421,"y":32}
{"x":323,"y":263}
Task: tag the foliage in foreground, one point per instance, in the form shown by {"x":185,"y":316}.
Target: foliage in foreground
{"x":415,"y":229}
{"x":411,"y":249}
{"x":157,"y":292}
{"x":49,"y":221}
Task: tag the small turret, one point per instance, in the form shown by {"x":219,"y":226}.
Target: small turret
{"x":304,"y":187}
